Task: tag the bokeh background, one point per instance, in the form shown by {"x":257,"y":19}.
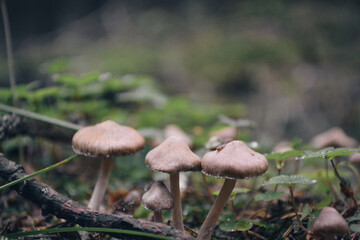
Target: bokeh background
{"x":291,"y":66}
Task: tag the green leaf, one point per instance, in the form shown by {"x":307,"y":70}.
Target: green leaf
{"x":305,"y":212}
{"x":88,"y":78}
{"x":244,"y":225}
{"x":58,"y":66}
{"x":227,"y":217}
{"x":141,"y":212}
{"x":290,"y":154}
{"x":355,"y":228}
{"x":284,"y":155}
{"x":43,"y":93}
{"x":290,"y":180}
{"x":329,"y":152}
{"x":228,"y":226}
{"x":266,"y":226}
{"x":268,"y":196}
{"x":312,"y":218}
{"x":316,"y":155}
{"x":241,"y":225}
{"x":341,"y":152}
{"x":273,"y":156}
{"x":234,"y":192}
{"x":296,"y":143}
{"x":68,"y":80}
{"x":325,"y":202}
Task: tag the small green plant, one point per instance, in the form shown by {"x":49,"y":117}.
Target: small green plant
{"x":290,"y":182}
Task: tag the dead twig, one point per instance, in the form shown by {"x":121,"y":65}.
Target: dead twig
{"x":52,"y":202}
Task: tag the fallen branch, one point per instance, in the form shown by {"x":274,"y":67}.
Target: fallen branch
{"x":61,"y":206}
{"x":13,"y":125}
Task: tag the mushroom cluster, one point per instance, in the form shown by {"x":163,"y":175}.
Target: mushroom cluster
{"x":173,"y":156}
{"x":232,"y":161}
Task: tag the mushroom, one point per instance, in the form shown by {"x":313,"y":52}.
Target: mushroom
{"x":106,"y":140}
{"x":174,"y":130}
{"x":173,"y":156}
{"x":355,"y":159}
{"x":158,"y":198}
{"x":233,"y":161}
{"x":330,"y":223}
{"x":334,"y":137}
{"x":226,"y":134}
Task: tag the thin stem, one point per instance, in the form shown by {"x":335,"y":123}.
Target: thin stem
{"x":177,"y":209}
{"x":10,"y":58}
{"x":38,"y":172}
{"x":275,"y":190}
{"x":157,"y":216}
{"x":216,"y":210}
{"x":87,"y":229}
{"x":346,"y":191}
{"x":295,"y":209}
{"x":101,"y":183}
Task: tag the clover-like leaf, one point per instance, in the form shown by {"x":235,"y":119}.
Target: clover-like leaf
{"x":241,"y":225}
{"x":290,"y":180}
{"x":227,"y":217}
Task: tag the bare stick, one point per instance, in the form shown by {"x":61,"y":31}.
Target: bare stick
{"x":61,"y":206}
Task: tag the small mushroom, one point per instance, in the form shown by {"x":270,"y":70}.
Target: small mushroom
{"x":131,"y":202}
{"x":106,"y":140}
{"x":330,"y":223}
{"x":233,"y":161}
{"x":355,"y":159}
{"x":174,"y":130}
{"x":173,"y":156}
{"x":158,"y":198}
{"x":226,"y":135}
{"x":334,"y":137}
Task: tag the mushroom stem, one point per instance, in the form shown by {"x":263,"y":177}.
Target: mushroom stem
{"x":216,"y":210}
{"x":177,"y":210}
{"x":157,"y":216}
{"x":101,"y":183}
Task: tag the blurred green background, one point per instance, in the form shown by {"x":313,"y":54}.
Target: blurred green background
{"x":291,"y":66}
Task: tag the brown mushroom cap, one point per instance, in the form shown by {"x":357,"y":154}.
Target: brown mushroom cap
{"x":107,"y":139}
{"x":330,"y":222}
{"x":172,"y":156}
{"x":235,"y":160}
{"x":158,"y":198}
{"x":334,"y":137}
{"x":174,"y":130}
{"x":354,"y":158}
{"x":226,"y":134}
